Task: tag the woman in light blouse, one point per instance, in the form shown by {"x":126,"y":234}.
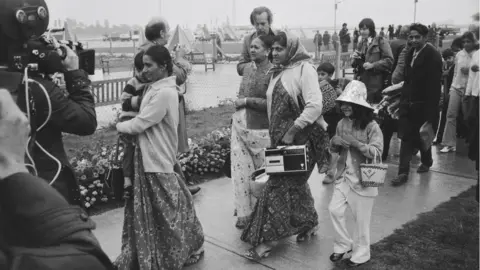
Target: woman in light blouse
{"x":162,"y":209}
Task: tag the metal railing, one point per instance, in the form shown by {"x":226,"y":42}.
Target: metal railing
{"x":108,"y":91}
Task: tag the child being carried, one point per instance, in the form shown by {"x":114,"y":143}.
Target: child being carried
{"x":131,"y":98}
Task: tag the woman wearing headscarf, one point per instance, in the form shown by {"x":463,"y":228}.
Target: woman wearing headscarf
{"x":161,"y":229}
{"x":373,"y":60}
{"x":294,"y":105}
{"x":250,"y":127}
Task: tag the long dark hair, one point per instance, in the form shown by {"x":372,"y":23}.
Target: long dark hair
{"x":369,"y":24}
{"x":161,"y":56}
{"x":361,"y":116}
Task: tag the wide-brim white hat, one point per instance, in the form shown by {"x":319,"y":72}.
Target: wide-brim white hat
{"x":355,"y":92}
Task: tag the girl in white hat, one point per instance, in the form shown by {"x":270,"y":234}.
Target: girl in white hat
{"x":358,"y":138}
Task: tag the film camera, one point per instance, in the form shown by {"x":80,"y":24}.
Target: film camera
{"x":24,"y":25}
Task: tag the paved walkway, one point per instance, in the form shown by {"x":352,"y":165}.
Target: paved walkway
{"x":450,"y":175}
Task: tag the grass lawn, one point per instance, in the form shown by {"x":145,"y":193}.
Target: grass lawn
{"x":199,"y":123}
{"x":445,"y":238}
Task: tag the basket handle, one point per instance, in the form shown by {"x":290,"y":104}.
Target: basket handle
{"x":375,"y":156}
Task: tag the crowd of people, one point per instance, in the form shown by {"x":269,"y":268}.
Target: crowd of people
{"x":283,"y":100}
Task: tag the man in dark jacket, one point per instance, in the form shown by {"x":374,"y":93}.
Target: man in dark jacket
{"x":326,"y":40}
{"x":345,"y":39}
{"x":38,"y":228}
{"x":261,"y":18}
{"x":419,"y":102}
{"x":389,"y":125}
{"x":72,"y":111}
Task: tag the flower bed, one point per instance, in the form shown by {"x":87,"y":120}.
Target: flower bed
{"x":207,"y":156}
{"x":93,"y":162}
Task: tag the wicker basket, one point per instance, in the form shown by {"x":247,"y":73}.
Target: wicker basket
{"x":373,"y":174}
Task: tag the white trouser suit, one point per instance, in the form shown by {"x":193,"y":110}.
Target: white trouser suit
{"x":349,"y":192}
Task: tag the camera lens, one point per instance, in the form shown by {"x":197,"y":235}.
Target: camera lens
{"x":21,"y":16}
{"x":42,"y":13}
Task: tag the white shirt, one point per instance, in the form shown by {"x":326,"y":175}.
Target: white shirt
{"x":473,"y":85}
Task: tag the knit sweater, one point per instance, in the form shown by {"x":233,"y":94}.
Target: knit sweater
{"x":156,"y":126}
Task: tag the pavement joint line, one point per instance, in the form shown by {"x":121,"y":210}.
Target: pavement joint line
{"x":226,"y":248}
{"x":466,"y":176}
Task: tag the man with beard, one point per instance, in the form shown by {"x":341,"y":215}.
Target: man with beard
{"x":261,"y":18}
{"x":419,"y":101}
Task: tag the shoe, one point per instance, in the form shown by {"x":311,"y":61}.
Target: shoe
{"x":329,"y":178}
{"x":194,"y":190}
{"x":252,"y":254}
{"x":302,"y":237}
{"x":399,"y":180}
{"x":448,"y":149}
{"x":423,"y":169}
{"x":323,"y":169}
{"x":354,"y":264}
{"x":335,"y":257}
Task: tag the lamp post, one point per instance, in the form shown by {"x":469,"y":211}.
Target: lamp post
{"x":415,"y":10}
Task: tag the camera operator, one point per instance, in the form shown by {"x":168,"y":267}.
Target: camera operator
{"x":38,"y":229}
{"x":72,"y":111}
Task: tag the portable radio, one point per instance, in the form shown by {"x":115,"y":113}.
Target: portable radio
{"x":286,"y":160}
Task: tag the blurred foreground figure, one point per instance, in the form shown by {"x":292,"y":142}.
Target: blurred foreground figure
{"x":38,"y":229}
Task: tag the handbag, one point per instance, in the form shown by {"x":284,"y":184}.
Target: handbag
{"x":373,"y":174}
{"x":259,"y":180}
{"x":115,"y":178}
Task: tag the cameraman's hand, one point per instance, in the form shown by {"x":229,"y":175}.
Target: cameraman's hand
{"x":71,"y":61}
{"x":14,"y":130}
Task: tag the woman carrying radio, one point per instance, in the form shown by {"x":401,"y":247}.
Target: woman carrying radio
{"x":294,"y":105}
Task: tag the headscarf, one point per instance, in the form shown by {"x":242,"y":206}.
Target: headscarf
{"x":296,"y":54}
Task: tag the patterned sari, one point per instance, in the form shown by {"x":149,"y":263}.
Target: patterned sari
{"x":160,"y":229}
{"x":286,"y":206}
{"x":247,"y":156}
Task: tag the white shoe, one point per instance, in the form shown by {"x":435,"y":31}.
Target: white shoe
{"x":448,"y":149}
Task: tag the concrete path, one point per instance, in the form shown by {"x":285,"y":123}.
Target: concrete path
{"x":450,"y":175}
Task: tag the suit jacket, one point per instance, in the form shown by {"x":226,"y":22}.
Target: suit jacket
{"x":422,"y":90}
{"x":39,"y":230}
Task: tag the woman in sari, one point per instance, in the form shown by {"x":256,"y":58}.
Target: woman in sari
{"x":250,"y":127}
{"x":161,"y":229}
{"x":294,"y":105}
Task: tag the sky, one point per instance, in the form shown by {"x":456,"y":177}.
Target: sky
{"x":296,"y":13}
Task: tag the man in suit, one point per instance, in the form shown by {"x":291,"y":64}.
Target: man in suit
{"x":261,"y":18}
{"x":419,"y":101}
{"x":38,"y":228}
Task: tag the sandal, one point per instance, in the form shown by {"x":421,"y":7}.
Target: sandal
{"x":302,"y":237}
{"x":195,"y":257}
{"x":252,"y":254}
